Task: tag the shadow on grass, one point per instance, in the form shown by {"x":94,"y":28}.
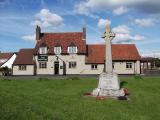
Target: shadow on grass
{"x":73,"y":78}
{"x":43,"y":79}
{"x":123,"y":83}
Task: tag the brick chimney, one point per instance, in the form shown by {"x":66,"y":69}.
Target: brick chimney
{"x":84,"y":33}
{"x":38,"y":32}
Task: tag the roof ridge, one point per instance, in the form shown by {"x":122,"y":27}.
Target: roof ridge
{"x":59,"y":32}
{"x":95,"y":44}
{"x":112,"y":44}
{"x":27,"y":49}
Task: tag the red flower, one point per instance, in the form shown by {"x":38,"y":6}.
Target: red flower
{"x":87,"y":94}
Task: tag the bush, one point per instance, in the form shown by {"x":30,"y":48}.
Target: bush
{"x":5,"y":71}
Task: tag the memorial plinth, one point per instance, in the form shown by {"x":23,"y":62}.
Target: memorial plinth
{"x":109,"y":84}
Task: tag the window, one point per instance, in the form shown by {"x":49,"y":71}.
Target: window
{"x":113,"y":65}
{"x":42,"y":65}
{"x":57,"y":50}
{"x":94,"y":66}
{"x":72,"y":49}
{"x":43,"y":50}
{"x":22,"y":67}
{"x":129,"y":65}
{"x":72,"y":64}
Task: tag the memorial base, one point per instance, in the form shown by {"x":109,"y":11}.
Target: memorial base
{"x":109,"y":85}
{"x":109,"y":93}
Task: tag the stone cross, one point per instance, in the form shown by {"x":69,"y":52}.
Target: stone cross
{"x":108,"y":81}
{"x":108,"y":37}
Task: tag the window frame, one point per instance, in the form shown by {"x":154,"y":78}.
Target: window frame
{"x":72,"y":49}
{"x":43,"y":50}
{"x":129,"y":65}
{"x":94,"y":66}
{"x":42,"y":65}
{"x":22,"y":67}
{"x":57,"y":48}
{"x":72,"y":65}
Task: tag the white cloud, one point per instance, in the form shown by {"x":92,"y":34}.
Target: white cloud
{"x":138,"y":37}
{"x":151,"y":53}
{"x":122,"y":29}
{"x":144,"y":22}
{"x":123,"y":34}
{"x":103,"y":22}
{"x":46,"y":19}
{"x":119,"y":11}
{"x":30,"y":38}
{"x":147,"y":6}
{"x":84,"y":9}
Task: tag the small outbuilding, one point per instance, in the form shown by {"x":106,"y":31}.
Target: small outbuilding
{"x":24,"y":63}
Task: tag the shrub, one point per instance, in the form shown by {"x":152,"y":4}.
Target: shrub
{"x":5,"y":71}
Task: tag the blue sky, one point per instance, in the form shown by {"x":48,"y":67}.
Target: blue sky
{"x":133,"y":21}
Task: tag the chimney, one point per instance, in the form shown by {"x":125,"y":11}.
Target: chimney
{"x":38,"y":32}
{"x":84,"y":33}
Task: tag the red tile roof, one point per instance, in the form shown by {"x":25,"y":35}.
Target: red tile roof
{"x":24,"y":57}
{"x":96,"y":53}
{"x":62,"y":39}
{"x":5,"y":57}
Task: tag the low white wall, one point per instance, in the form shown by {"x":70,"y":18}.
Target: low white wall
{"x":29,"y":70}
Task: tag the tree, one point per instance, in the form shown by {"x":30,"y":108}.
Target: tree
{"x":5,"y":71}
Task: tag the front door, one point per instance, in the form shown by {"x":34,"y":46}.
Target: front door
{"x":56,"y":68}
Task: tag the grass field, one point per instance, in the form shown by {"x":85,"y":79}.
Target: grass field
{"x":44,"y":99}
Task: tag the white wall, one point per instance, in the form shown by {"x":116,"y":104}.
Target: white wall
{"x":82,"y":68}
{"x":49,"y":70}
{"x":29,"y":70}
{"x":9,"y":62}
{"x":120,"y":68}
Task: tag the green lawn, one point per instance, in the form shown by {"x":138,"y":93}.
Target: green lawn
{"x":64,"y":100}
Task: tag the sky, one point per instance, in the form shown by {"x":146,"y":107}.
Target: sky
{"x":133,"y":21}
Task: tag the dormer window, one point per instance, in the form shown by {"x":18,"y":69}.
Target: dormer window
{"x":43,"y":50}
{"x":72,"y":49}
{"x":57,"y":50}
